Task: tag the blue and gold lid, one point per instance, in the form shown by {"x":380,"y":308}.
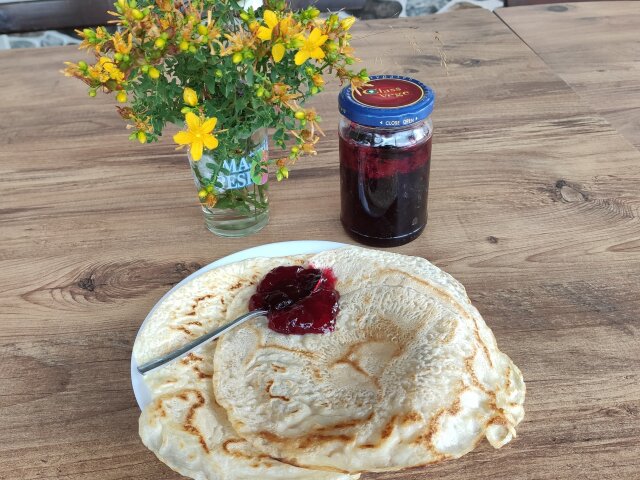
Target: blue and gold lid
{"x":389,"y":101}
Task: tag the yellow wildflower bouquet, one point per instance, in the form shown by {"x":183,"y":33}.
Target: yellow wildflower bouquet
{"x":225,"y":73}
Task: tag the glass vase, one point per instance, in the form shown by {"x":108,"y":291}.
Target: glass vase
{"x":233,"y":192}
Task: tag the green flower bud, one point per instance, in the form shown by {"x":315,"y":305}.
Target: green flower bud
{"x":347,"y":23}
{"x":184,"y":45}
{"x":314,"y":90}
{"x":82,"y":65}
{"x":118,"y":57}
{"x":192,"y":49}
{"x":330,"y":46}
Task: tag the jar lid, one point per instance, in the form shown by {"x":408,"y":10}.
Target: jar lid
{"x":389,"y":101}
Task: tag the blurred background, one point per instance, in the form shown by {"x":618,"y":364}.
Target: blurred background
{"x":38,"y":23}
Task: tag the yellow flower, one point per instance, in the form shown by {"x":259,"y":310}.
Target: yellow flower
{"x":111,"y":68}
{"x":197,"y":135}
{"x":105,"y":70}
{"x":271,"y":19}
{"x":276,"y":31}
{"x":311,"y":47}
{"x":190,"y":97}
{"x":278,"y":51}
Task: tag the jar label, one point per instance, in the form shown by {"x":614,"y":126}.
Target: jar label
{"x":233,"y":173}
{"x":389,"y":93}
{"x":239,"y":175}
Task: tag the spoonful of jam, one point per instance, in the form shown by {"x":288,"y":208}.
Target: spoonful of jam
{"x":296,"y":300}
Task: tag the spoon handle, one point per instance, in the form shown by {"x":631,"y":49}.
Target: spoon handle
{"x":198,"y":341}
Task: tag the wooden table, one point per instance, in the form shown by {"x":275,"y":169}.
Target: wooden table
{"x":534,"y":206}
{"x":595,"y":48}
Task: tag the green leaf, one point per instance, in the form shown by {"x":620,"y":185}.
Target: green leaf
{"x":278,"y":134}
{"x":228,"y":89}
{"x":210,"y":82}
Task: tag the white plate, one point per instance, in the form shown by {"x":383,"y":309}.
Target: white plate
{"x":281,"y":249}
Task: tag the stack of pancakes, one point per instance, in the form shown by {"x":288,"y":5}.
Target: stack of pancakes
{"x":411,"y":376}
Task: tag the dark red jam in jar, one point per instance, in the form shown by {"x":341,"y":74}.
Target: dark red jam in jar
{"x":385,"y":155}
{"x":299,"y":300}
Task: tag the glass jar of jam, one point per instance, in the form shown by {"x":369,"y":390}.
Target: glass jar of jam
{"x":385,"y":152}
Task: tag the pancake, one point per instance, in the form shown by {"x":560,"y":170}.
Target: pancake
{"x":200,"y":306}
{"x":411,"y":376}
{"x":183,"y":425}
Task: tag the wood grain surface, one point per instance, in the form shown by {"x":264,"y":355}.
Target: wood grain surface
{"x":534,"y":206}
{"x":595,"y":48}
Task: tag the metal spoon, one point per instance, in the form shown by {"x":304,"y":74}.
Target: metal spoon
{"x":199,"y":341}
